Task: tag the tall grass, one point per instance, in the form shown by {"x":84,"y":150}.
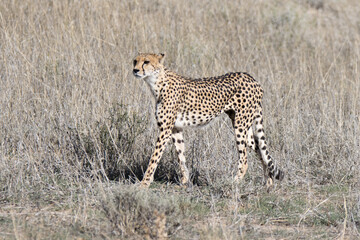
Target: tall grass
{"x":74,"y":120}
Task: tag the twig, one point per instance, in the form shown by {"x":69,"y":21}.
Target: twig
{"x":345,"y":219}
{"x":14,"y":226}
{"x":309,"y":210}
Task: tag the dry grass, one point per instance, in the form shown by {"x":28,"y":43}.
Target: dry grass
{"x":77,"y":129}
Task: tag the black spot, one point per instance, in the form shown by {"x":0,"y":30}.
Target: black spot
{"x":280,"y":175}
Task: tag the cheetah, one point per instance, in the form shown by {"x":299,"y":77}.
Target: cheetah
{"x":184,"y":102}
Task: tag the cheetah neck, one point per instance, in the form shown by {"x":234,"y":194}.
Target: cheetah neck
{"x":156,"y":82}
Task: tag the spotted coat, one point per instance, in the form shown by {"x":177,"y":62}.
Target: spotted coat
{"x":183,"y":102}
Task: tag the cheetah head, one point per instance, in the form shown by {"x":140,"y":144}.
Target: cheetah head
{"x":148,"y":64}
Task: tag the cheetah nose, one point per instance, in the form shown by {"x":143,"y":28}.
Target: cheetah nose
{"x":136,"y":71}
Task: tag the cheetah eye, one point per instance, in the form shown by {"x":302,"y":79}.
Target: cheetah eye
{"x":146,"y":62}
{"x":135,"y":62}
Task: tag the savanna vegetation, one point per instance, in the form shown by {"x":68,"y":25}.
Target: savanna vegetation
{"x":77,"y":129}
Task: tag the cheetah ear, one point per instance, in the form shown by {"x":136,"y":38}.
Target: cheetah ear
{"x":161,"y":57}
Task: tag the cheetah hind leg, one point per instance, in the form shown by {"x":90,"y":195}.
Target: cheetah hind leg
{"x":178,"y":139}
{"x":254,"y":145}
{"x":271,"y":170}
{"x":241,"y":128}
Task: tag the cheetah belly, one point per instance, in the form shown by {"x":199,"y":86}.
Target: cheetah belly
{"x":192,"y":120}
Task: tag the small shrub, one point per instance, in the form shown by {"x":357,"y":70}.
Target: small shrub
{"x":109,"y":148}
{"x":135,"y":213}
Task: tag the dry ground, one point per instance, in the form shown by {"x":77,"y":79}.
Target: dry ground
{"x":77,"y":128}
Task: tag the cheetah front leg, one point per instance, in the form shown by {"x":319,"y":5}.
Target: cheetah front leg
{"x":178,"y":140}
{"x":165,"y":133}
